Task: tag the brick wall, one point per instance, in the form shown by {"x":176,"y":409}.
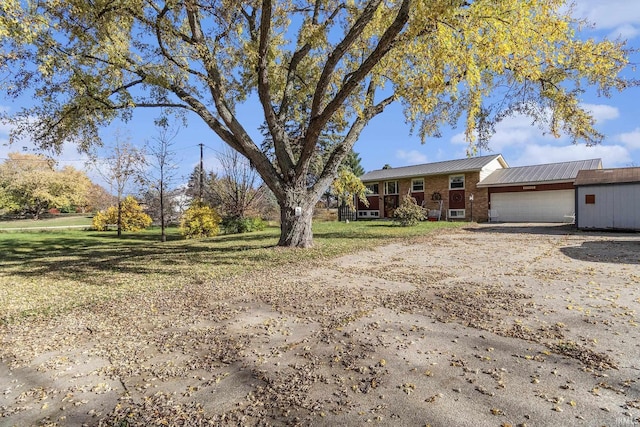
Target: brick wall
{"x":480,"y":198}
{"x":440,"y":184}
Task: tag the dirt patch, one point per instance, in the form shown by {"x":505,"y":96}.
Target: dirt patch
{"x":493,"y":325}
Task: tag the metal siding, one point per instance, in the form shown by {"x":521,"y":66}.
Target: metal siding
{"x":605,"y":209}
{"x":534,"y":206}
{"x":597,"y":215}
{"x":616,"y":207}
{"x":626,"y":201}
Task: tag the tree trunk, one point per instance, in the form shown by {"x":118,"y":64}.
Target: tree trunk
{"x":119,"y":225}
{"x":163,"y":233}
{"x":295,"y":224}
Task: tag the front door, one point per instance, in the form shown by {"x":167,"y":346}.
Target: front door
{"x":390,"y":205}
{"x":456,"y":199}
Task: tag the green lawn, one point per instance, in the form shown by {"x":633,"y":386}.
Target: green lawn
{"x":46,"y":272}
{"x":57,"y":221}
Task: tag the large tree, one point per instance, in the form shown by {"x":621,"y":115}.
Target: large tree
{"x":318,"y":67}
{"x":30,"y":183}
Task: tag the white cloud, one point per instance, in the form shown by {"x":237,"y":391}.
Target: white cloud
{"x":602,"y":112}
{"x":611,"y":155}
{"x":519,"y":131}
{"x":5,"y":128}
{"x":523,"y":143}
{"x":622,"y":17}
{"x":68,"y":155}
{"x":211,"y":163}
{"x":513,"y":131}
{"x":411,"y":157}
{"x":625,"y":32}
{"x":630,"y":139}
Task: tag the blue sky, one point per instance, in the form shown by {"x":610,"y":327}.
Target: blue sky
{"x":387,"y":139}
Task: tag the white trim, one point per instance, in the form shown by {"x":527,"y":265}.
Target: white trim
{"x":386,"y":193}
{"x":463,"y":181}
{"x":372,"y":184}
{"x":457,"y":213}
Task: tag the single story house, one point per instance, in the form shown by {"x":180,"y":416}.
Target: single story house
{"x":478,"y":189}
{"x":538,"y":193}
{"x":444,"y":187}
{"x":608,"y":199}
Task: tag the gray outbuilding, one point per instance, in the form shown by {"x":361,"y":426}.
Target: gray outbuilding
{"x":608,"y":199}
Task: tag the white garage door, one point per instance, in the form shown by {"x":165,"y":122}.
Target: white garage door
{"x":534,"y":206}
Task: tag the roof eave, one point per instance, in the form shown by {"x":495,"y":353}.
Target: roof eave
{"x":451,"y":172}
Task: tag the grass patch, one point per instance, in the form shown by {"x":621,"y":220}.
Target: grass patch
{"x":72,"y":220}
{"x":47,"y":272}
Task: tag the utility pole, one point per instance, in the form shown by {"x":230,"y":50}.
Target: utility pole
{"x":201,"y":174}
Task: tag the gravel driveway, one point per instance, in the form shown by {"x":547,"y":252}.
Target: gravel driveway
{"x":494,"y":325}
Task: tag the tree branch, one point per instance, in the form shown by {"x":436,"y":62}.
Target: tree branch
{"x":300,"y":54}
{"x":338,"y":53}
{"x":342,"y":150}
{"x":319,"y":120}
{"x":283,"y":154}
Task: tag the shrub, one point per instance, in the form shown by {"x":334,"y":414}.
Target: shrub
{"x":408,"y":213}
{"x":235,"y":225}
{"x":133,"y":218}
{"x":200,"y":220}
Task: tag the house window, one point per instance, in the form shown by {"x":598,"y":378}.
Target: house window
{"x":372,"y":188}
{"x":363,"y":214}
{"x":456,"y":182}
{"x":391,"y":187}
{"x":590,"y":199}
{"x":456,"y":213}
{"x":417,"y":185}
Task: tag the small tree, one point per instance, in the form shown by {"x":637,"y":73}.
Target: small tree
{"x":193,"y":192}
{"x":200,"y":220}
{"x":408,"y":213}
{"x":239,"y":187}
{"x":348,"y":186}
{"x":164,"y":164}
{"x":122,"y":166}
{"x":130,"y":214}
{"x":98,"y":199}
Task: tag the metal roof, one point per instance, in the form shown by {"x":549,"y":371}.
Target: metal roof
{"x":608,"y":176}
{"x":552,"y":172}
{"x":438,"y":168}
